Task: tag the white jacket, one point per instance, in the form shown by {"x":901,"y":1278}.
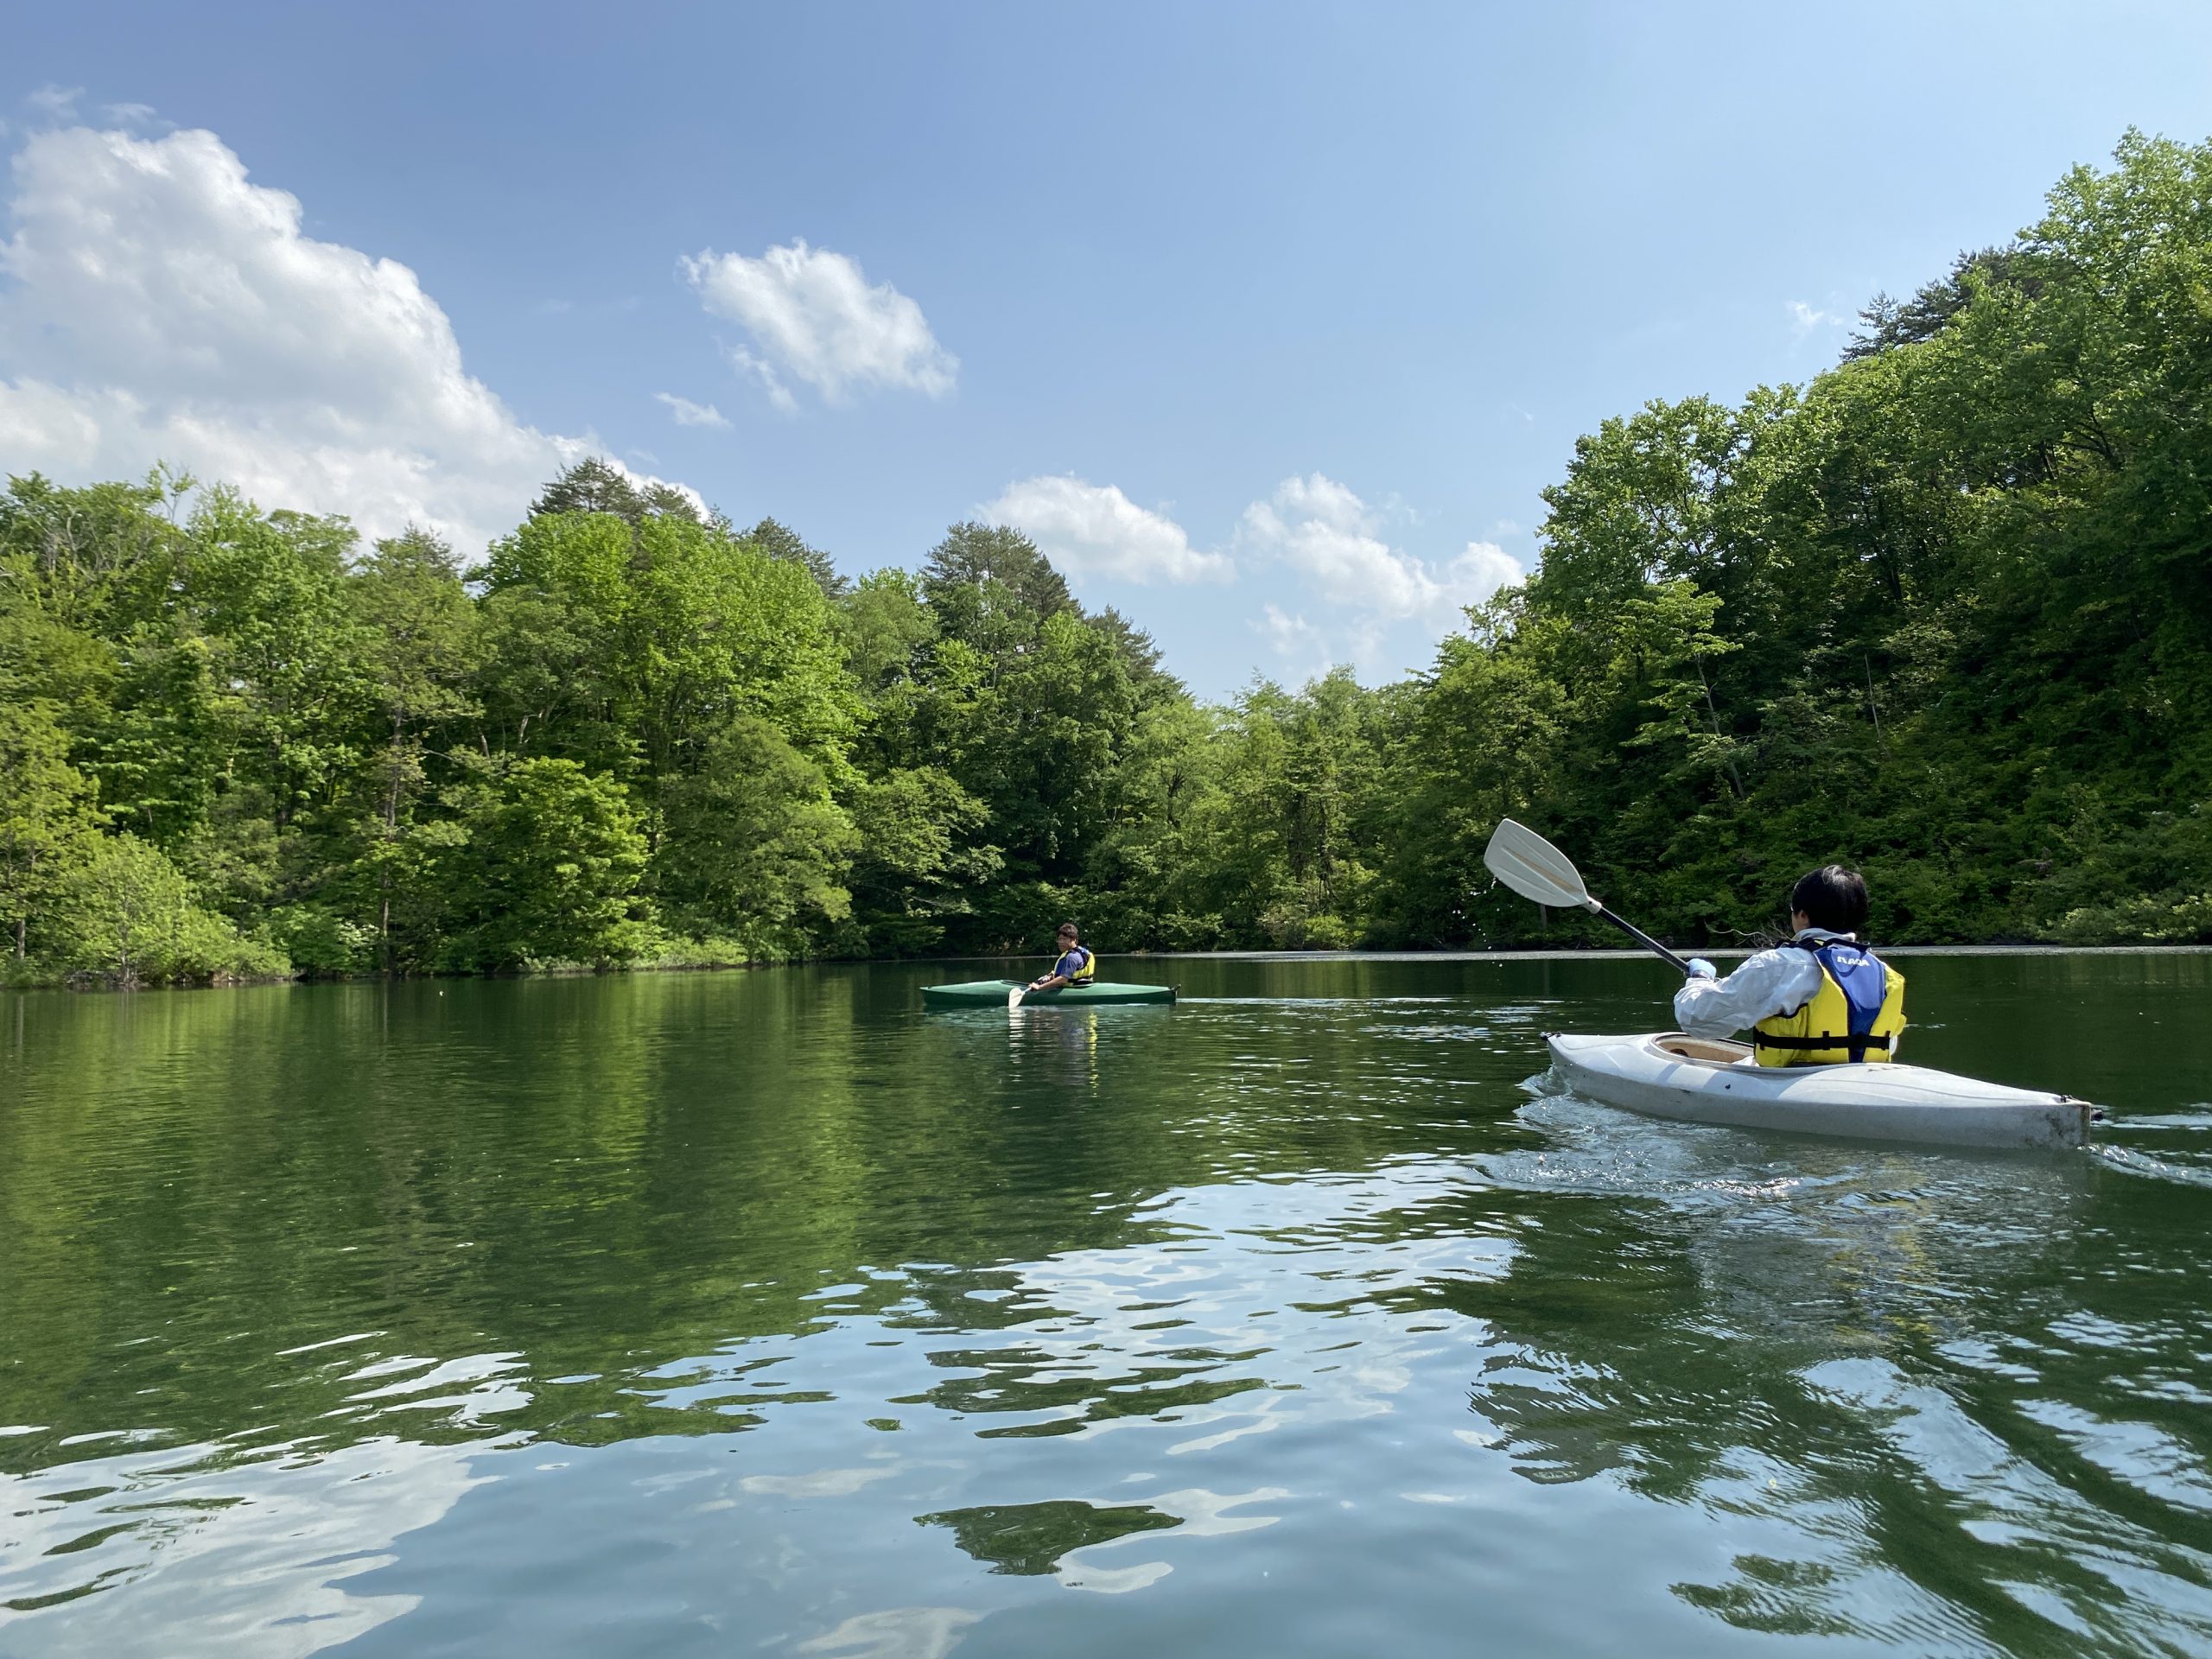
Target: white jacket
{"x":1781,"y":980}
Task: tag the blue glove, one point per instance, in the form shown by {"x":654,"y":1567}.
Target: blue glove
{"x":1701,"y":968}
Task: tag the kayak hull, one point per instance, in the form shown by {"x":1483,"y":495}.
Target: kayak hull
{"x":986,"y":993}
{"x":1699,"y":1080}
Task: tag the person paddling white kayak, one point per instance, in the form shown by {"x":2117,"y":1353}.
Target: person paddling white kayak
{"x":1852,"y":1009}
{"x":1822,"y":999}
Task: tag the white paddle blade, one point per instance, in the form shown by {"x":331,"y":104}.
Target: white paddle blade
{"x":1534,"y":868}
{"x":1014,"y":998}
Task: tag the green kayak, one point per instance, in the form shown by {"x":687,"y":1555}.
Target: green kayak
{"x":981,"y":992}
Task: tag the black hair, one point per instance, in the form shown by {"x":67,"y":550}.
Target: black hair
{"x":1832,"y":898}
{"x":1069,"y":927}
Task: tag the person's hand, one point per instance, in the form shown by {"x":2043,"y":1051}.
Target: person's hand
{"x":1701,"y":968}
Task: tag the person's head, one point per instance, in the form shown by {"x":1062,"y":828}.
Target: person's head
{"x":1068,"y":935}
{"x":1831,"y":898}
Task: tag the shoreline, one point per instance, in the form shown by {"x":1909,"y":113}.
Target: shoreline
{"x":1607,"y":953}
{"x":1731,"y":950}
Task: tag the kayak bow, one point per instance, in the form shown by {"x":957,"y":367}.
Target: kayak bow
{"x":1704,"y":1080}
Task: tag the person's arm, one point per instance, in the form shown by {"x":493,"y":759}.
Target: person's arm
{"x":1062,"y":974}
{"x":1772,"y":982}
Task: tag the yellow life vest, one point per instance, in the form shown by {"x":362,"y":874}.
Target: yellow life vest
{"x":1857,"y":1014}
{"x":1084,"y":975}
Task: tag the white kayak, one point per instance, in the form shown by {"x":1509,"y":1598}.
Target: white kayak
{"x":1702,"y":1080}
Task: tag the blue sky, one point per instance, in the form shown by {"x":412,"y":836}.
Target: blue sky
{"x":1271,"y":321}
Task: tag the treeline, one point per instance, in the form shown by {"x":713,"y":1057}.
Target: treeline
{"x":1945,"y":613}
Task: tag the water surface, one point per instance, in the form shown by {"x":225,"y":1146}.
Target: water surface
{"x":760,"y":1313}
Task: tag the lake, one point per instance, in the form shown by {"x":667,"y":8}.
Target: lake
{"x":763,"y":1313}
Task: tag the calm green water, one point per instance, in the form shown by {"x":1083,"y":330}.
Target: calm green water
{"x":761,"y":1313}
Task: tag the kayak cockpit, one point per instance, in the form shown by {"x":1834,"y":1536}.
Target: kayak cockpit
{"x":1721,"y":1051}
{"x":1703,"y":1050}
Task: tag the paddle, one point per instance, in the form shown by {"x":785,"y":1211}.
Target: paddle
{"x":1014,"y":998}
{"x":1535,"y":869}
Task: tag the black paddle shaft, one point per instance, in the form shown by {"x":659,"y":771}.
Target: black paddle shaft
{"x":1644,"y":939}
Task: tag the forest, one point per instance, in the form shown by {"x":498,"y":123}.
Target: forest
{"x":1944,"y":613}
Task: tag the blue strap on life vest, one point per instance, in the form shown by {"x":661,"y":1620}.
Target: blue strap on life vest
{"x":1858,"y":974}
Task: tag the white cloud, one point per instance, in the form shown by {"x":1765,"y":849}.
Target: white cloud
{"x":1290,"y":636}
{"x":1807,"y":318}
{"x":814,"y":317}
{"x":1285,"y":633}
{"x":160,"y":307}
{"x":1327,"y":535}
{"x":1479,"y":570}
{"x":1094,"y":530}
{"x":1300,"y":648}
{"x":760,"y":369}
{"x":687,"y":413}
{"x":56,"y":103}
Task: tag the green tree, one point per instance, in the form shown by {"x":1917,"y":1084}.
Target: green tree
{"x":918,"y":863}
{"x":753,"y":845}
{"x":47,"y":824}
{"x":993,"y":591}
{"x":423,"y":649}
{"x":596,"y":484}
{"x":781,"y":542}
{"x":285,"y":688}
{"x":887,"y":629}
{"x":550,"y":871}
{"x":124,"y":912}
{"x":631,"y":646}
{"x":1057,"y":722}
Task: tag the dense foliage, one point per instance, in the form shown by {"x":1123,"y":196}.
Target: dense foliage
{"x":1946,"y":613}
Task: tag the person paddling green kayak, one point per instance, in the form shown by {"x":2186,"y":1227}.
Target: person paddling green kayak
{"x":1822,"y":999}
{"x":1071,"y":982}
{"x":1076,"y":965}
